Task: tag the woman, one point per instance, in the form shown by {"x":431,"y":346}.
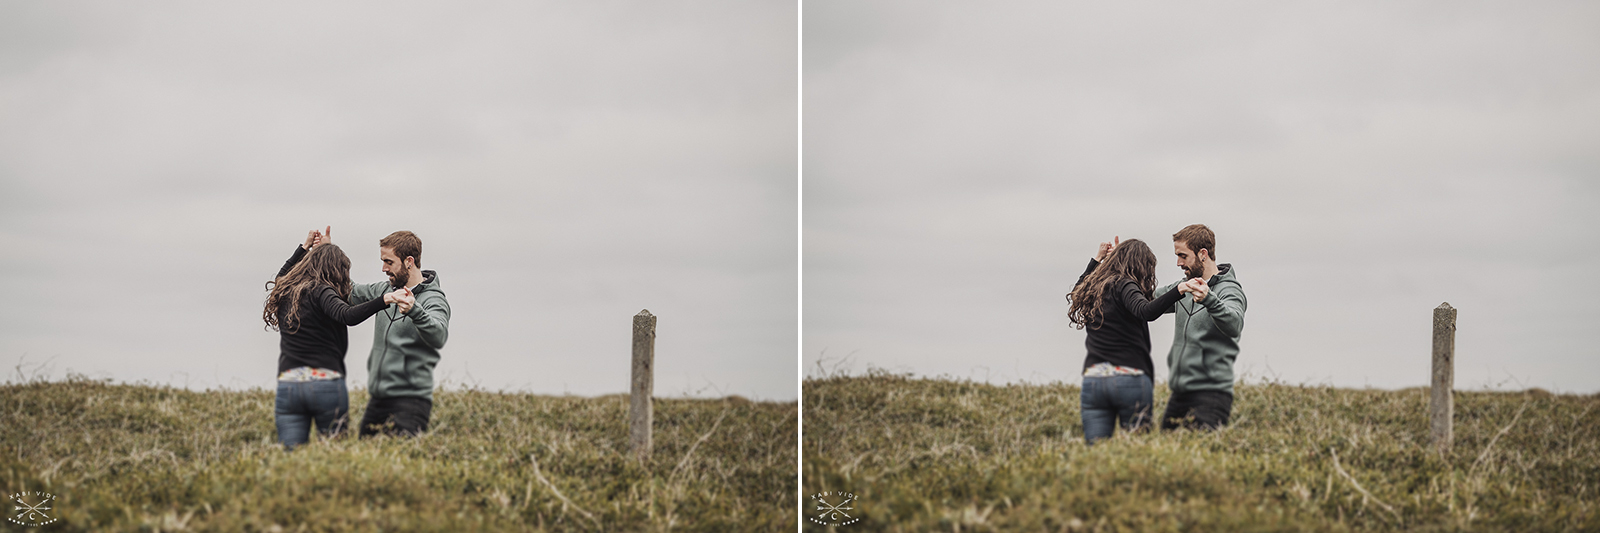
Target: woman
{"x":307,"y":307}
{"x":1112,"y":299}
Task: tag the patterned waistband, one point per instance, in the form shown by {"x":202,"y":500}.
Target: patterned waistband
{"x":1100,"y":370}
{"x":306,"y":373}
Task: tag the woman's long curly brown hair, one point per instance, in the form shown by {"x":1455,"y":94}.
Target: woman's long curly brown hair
{"x":325,"y":264}
{"x":1130,"y":260}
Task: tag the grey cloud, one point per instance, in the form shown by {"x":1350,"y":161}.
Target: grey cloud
{"x":566,"y":164}
{"x":1361,"y":163}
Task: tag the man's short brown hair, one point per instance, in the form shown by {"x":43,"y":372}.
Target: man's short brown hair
{"x":1197,"y":237}
{"x":405,"y":244}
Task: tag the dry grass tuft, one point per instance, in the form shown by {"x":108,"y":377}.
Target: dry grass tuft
{"x":946,"y":455}
{"x":143,"y":458}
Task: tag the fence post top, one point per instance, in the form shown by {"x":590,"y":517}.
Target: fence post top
{"x":644,"y":312}
{"x":1445,"y":305}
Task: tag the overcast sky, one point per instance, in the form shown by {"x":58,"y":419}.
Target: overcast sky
{"x":566,"y":164}
{"x":1360,"y":163}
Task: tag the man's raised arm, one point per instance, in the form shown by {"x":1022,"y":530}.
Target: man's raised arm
{"x":361,"y":292}
{"x":432,"y":319}
{"x":1226,"y":305}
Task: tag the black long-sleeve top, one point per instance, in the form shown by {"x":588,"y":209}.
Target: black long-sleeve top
{"x":323,"y":333}
{"x":1123,"y":337}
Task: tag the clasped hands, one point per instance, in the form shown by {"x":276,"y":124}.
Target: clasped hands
{"x":1195,"y":287}
{"x":401,"y":296}
{"x":1099,"y":253}
{"x":315,"y":238}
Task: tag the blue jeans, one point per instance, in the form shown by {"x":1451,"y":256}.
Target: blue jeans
{"x":1110,"y":400}
{"x":326,"y":402}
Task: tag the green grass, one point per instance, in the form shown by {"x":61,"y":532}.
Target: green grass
{"x":943,"y":455}
{"x":145,"y":458}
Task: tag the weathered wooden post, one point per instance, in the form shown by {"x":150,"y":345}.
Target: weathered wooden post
{"x":644,"y":362}
{"x":1442,"y":406}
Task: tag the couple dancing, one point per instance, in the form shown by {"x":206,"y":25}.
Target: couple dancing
{"x":1116,"y":298}
{"x":312,"y":304}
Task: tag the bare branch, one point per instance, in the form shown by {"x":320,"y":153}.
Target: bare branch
{"x":1364,"y":493}
{"x":564,"y":501}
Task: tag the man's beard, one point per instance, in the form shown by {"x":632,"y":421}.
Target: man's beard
{"x":1195,"y":271}
{"x":399,"y":279}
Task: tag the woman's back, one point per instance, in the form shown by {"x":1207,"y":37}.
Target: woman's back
{"x":307,"y":307}
{"x":322,"y":334}
{"x":1111,"y":300}
{"x":1122,"y":336}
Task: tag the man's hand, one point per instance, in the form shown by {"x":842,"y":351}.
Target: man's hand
{"x":1105,"y":248}
{"x":406,"y":300}
{"x":401,"y":296}
{"x":1197,"y":288}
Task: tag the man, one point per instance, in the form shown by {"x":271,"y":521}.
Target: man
{"x":1205,"y":338}
{"x":405,"y":343}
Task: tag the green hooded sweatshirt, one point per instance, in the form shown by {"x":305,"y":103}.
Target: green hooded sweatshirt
{"x":1205,"y":338}
{"x":405,"y":347}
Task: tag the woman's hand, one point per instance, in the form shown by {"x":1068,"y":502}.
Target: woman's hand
{"x":1105,"y":248}
{"x":316,"y":238}
{"x":324,"y":237}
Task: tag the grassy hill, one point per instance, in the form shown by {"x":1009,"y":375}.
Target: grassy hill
{"x":940,"y":455}
{"x":140,"y":458}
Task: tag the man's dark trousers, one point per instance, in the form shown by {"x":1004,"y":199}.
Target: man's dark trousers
{"x":403,"y":415}
{"x":1202,"y":409}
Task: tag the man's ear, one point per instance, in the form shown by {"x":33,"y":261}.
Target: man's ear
{"x":1206,"y":255}
{"x":411,"y":262}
